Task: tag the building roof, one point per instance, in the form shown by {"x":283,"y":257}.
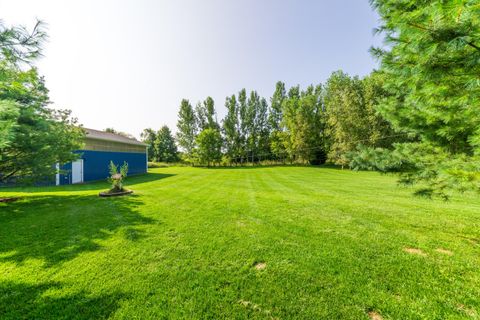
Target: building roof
{"x":107,"y":136}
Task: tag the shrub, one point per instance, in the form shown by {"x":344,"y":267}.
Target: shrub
{"x":117,"y":176}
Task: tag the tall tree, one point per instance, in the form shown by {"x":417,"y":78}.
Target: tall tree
{"x":165,"y":147}
{"x":209,"y":146}
{"x":276,"y":102}
{"x":432,"y":75}
{"x":187,"y":129}
{"x":289,"y":108}
{"x":231,"y":128}
{"x":149,"y":136}
{"x":304,"y":121}
{"x":253,"y":106}
{"x":275,"y":120}
{"x":36,"y":137}
{"x":206,"y":115}
{"x":352,"y":118}
{"x":262,"y":129}
{"x":243,"y":124}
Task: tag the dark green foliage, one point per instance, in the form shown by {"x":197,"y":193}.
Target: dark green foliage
{"x":263,"y":130}
{"x":379,"y":159}
{"x":34,"y":137}
{"x":231,"y":128}
{"x":18,"y":45}
{"x":256,"y":125}
{"x":431,"y":67}
{"x":165,"y":147}
{"x":9,"y":113}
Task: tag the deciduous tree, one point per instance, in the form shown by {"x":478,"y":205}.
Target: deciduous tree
{"x":209,"y":146}
{"x":149,"y":136}
{"x":187,"y":129}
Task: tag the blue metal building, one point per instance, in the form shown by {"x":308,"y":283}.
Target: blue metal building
{"x":99,"y":149}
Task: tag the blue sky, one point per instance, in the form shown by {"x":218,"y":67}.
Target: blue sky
{"x":127,"y":64}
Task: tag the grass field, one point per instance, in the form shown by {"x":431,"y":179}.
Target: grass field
{"x":264,"y":243}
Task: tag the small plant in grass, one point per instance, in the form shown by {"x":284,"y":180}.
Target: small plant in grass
{"x":117,"y":176}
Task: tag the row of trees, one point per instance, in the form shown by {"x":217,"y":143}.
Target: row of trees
{"x":318,"y":124}
{"x":418,"y":115}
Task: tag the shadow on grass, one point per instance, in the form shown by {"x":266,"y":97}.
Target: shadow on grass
{"x":94,"y":185}
{"x":43,"y":301}
{"x":58,"y":228}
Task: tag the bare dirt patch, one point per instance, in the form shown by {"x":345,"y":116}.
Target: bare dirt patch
{"x":468,"y":311}
{"x":241,"y":224}
{"x":260,"y":265}
{"x":416,"y":251}
{"x":249,"y":304}
{"x":444,"y":251}
{"x":7,"y":200}
{"x":375,"y":315}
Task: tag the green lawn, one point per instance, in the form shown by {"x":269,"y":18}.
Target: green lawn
{"x":265,"y":243}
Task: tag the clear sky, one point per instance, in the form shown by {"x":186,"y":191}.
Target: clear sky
{"x":128,"y":63}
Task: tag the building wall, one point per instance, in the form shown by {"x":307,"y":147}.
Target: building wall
{"x":102,"y":145}
{"x":95,"y":164}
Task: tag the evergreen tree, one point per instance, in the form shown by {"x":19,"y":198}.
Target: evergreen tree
{"x":187,"y":129}
{"x":432,"y":76}
{"x":165,"y":148}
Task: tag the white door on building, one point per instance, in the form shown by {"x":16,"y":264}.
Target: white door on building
{"x":77,"y":171}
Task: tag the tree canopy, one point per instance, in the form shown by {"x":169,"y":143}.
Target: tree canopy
{"x":432,"y":76}
{"x":34,"y":137}
{"x":165,"y":147}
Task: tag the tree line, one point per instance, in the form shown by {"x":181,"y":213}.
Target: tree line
{"x":417,"y":115}
{"x":318,"y":124}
